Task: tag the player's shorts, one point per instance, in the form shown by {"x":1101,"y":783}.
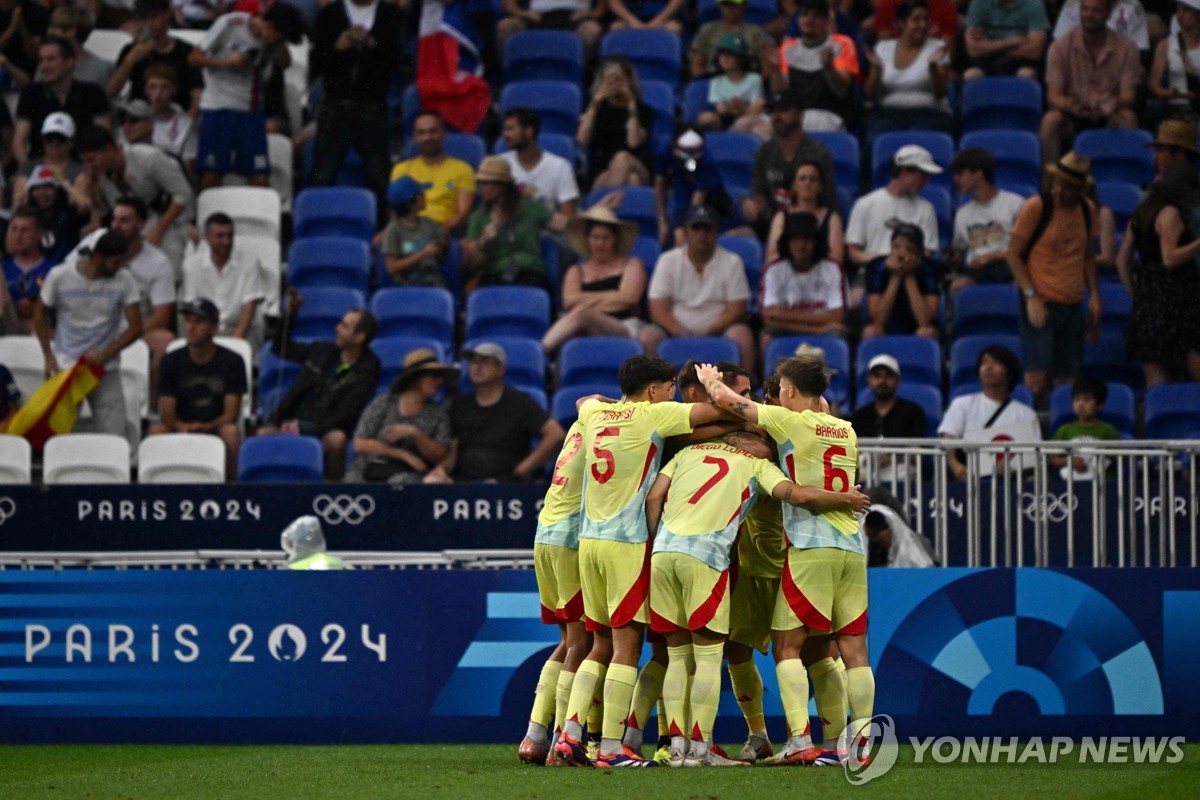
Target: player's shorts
{"x":824,"y":590}
{"x":232,"y":141}
{"x":557,"y":571}
{"x":687,"y":595}
{"x":615,"y":578}
{"x":751,"y":609}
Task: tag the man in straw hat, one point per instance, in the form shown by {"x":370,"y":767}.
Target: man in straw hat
{"x":1174,"y":145}
{"x":1052,"y":260}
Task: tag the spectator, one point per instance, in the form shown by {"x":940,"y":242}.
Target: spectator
{"x":25,"y":266}
{"x":584,"y":17}
{"x":888,"y":416}
{"x":1005,"y":37}
{"x":412,"y":245}
{"x":10,"y":397}
{"x":777,"y":160}
{"x":337,"y":381}
{"x":642,"y":14}
{"x":494,"y":425}
{"x":356,"y":51}
{"x":136,"y":120}
{"x":807,"y":196}
{"x":142,"y":171}
{"x":902,"y":289}
{"x":1126,"y":18}
{"x":706,"y":45}
{"x":239,"y":54}
{"x":891,"y":541}
{"x":803,"y":291}
{"x":58,"y":90}
{"x":201,"y":386}
{"x":451,"y":194}
{"x":22,"y":23}
{"x":544,"y":176}
{"x":1174,"y":146}
{"x":602,"y":295}
{"x":1052,"y":260}
{"x":1092,"y":80}
{"x":687,"y":176}
{"x":91,"y":301}
{"x":736,"y":93}
{"x":943,"y":21}
{"x":992,"y":406}
{"x":615,"y":127}
{"x":401,"y":433}
{"x":198,"y":14}
{"x":820,"y":68}
{"x":156,"y":45}
{"x":58,"y":134}
{"x":700,"y":289}
{"x":1175,"y":70}
{"x":1164,"y":331}
{"x":503,"y":242}
{"x":62,"y":212}
{"x":984,"y":224}
{"x":174,"y":128}
{"x":74,"y":23}
{"x":1088,"y":396}
{"x":908,"y":78}
{"x":229,"y":277}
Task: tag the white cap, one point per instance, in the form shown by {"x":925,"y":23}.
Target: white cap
{"x":916,"y":157}
{"x":59,"y":122}
{"x":690,"y":138}
{"x":884,"y":360}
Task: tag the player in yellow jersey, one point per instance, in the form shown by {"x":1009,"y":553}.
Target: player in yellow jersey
{"x":824,"y":581}
{"x":713,"y":486}
{"x":556,"y":566}
{"x":622,"y":444}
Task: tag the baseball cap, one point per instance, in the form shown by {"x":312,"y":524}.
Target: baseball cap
{"x":59,"y":122}
{"x":404,"y":190}
{"x":41,"y":176}
{"x":201,"y":307}
{"x":487,"y":350}
{"x":137,"y":109}
{"x":701,"y":215}
{"x":916,"y":157}
{"x":884,"y":360}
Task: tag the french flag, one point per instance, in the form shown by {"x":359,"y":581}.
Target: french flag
{"x":450,"y":66}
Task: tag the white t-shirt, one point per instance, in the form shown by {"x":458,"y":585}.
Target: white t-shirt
{"x":699,"y":298}
{"x":749,"y":90}
{"x":542,"y":6}
{"x":1127,"y":18}
{"x":970,"y":412}
{"x":911,"y":87}
{"x":90,"y":311}
{"x":553,"y":179}
{"x":236,"y":89}
{"x":868,"y":226}
{"x":982,"y":229}
{"x":362,"y":16}
{"x":176,"y":134}
{"x":150,"y":268}
{"x":241,"y":281}
{"x":821,"y":288}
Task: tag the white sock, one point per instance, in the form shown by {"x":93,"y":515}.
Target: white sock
{"x":536,"y":732}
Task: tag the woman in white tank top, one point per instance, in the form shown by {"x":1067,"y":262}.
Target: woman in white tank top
{"x":1177,"y":58}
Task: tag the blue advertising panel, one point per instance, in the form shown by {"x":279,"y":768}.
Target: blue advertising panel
{"x":412,"y":655}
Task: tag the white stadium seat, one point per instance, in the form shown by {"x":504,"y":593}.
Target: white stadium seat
{"x":23,"y":357}
{"x":86,"y":458}
{"x":255,"y":209}
{"x":16,"y":459}
{"x":181,"y":458}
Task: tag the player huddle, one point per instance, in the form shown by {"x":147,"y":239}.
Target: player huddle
{"x":745,"y":536}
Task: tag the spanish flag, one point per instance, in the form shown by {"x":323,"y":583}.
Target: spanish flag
{"x":54,"y":407}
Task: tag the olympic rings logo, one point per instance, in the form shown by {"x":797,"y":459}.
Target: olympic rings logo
{"x":343,"y":508}
{"x":1054,"y":507}
{"x":8,"y":507}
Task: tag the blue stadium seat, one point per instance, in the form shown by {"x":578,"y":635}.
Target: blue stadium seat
{"x":637,"y":205}
{"x":543,"y":55}
{"x":269,"y":400}
{"x":1119,"y":409}
{"x":275,"y":377}
{"x":464,"y":146}
{"x":594,"y":359}
{"x":526,"y":360}
{"x":280,"y":459}
{"x":648,"y":250}
{"x":1018,"y":154}
{"x":562,"y":406}
{"x":1020,"y":188}
{"x":751,"y":252}
{"x":329,"y":261}
{"x":1118,"y":308}
{"x":334,"y":211}
{"x":695,"y":100}
{"x":416,"y":311}
{"x":847,"y":157}
{"x":709,"y":349}
{"x":656,"y":55}
{"x":733,"y":155}
{"x":660,"y":96}
{"x":1118,"y":154}
{"x":1107,"y":360}
{"x":1173,"y":411}
{"x":410,"y":106}
{"x":929,"y":398}
{"x":557,"y":102}
{"x":758,"y":12}
{"x":1121,"y":198}
{"x":964,"y":357}
{"x":538,"y":394}
{"x":391,"y":351}
{"x":508,"y":311}
{"x":940,"y":146}
{"x":323,"y":308}
{"x":557,"y":143}
{"x":837,"y":358}
{"x":986,"y":309}
{"x":1005,"y":103}
{"x":943,"y":209}
{"x":920,"y":359}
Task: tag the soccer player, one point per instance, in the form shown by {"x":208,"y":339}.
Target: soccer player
{"x":824,"y":581}
{"x":556,"y":565}
{"x":622,"y":445}
{"x":690,"y":571}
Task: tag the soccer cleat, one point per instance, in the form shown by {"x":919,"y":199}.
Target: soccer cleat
{"x":794,"y":758}
{"x":829,"y":758}
{"x":712,"y":759}
{"x":572,"y":752}
{"x":675,"y":758}
{"x":532,"y":752}
{"x":555,"y":759}
{"x":756,"y":748}
{"x":625,"y":758}
{"x":664,"y":756}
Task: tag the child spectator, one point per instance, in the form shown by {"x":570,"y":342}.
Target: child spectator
{"x":174,"y":128}
{"x":1088,"y":396}
{"x":736,"y":94}
{"x":412,"y":244}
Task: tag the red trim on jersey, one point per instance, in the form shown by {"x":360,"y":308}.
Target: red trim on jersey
{"x":591,"y":624}
{"x":660,"y":624}
{"x":573,"y":610}
{"x":801,"y":607}
{"x":646,"y":467}
{"x":697,"y":734}
{"x":632,"y":602}
{"x":704,"y":614}
{"x":738,"y":510}
{"x":632,"y":721}
{"x":856,"y":628}
{"x":675,"y":729}
{"x":550,"y":616}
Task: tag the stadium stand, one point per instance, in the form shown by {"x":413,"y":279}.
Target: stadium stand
{"x":280,"y":459}
{"x":562,"y":406}
{"x":323,"y":307}
{"x":986,"y":309}
{"x":334,"y":211}
{"x":657,"y":55}
{"x":543,"y":55}
{"x":1002,"y":103}
{"x":920,"y":359}
{"x":329,"y":261}
{"x":181,"y":458}
{"x":86,"y":458}
{"x":709,"y":349}
{"x":557,"y":102}
{"x":255,"y":210}
{"x":416,"y":311}
{"x":1173,"y":411}
{"x":1118,"y":154}
{"x":593,"y":359}
{"x":837,"y":358}
{"x":1018,"y":155}
{"x":507,"y":311}
{"x":16,"y":459}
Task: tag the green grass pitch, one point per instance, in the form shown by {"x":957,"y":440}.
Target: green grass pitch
{"x":429,"y":772}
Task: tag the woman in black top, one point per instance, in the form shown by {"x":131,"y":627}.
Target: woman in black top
{"x":615,"y":127}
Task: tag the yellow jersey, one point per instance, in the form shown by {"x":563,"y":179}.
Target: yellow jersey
{"x":761,"y":547}
{"x":448,"y":178}
{"x":558,"y":522}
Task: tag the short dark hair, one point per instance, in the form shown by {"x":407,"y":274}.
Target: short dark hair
{"x":808,"y":374}
{"x":429,"y":113}
{"x":218,"y":218}
{"x":1007,"y":358}
{"x":286,"y":21}
{"x":771,"y":387}
{"x":136,"y":203}
{"x":687,"y":377}
{"x":111,"y":243}
{"x":1090,"y":387}
{"x":730,"y":371}
{"x":66,"y":48}
{"x":638,"y":372}
{"x":526,"y":118}
{"x":905,"y":9}
{"x":368,"y":325}
{"x":93,"y":139}
{"x":148,"y":8}
{"x":28,"y":212}
{"x":975,"y":159}
{"x":163,"y":70}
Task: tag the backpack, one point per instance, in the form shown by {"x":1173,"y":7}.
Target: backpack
{"x":1044,"y":222}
